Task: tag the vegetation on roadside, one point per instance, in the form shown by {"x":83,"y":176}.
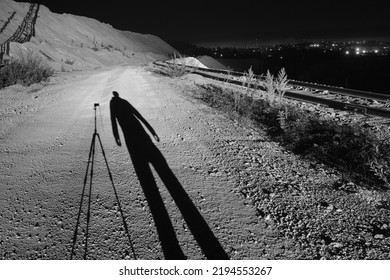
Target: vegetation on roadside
{"x":176,"y":68}
{"x":69,"y":61}
{"x":351,"y":148}
{"x":30,"y":69}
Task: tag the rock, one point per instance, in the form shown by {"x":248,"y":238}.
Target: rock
{"x":330,"y":208}
{"x":337,"y":245}
{"x":378,"y":236}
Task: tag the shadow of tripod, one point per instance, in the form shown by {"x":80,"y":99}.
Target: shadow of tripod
{"x":91,"y":158}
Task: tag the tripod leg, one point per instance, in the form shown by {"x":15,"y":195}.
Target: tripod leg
{"x":82,"y":196}
{"x":117,"y":198}
{"x":89,"y":197}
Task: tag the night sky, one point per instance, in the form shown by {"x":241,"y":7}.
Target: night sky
{"x":238,"y":23}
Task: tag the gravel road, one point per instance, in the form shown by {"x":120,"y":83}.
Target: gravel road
{"x":195,"y":212}
{"x":212,"y":187}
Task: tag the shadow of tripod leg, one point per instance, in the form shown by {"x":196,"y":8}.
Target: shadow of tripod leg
{"x":82,"y":196}
{"x":117,"y":199}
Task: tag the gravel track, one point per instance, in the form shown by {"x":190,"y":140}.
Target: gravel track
{"x":44,"y":153}
{"x":253,"y":195}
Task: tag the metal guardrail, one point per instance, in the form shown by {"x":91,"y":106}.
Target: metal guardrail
{"x":303,"y":95}
{"x":339,"y":90}
{"x":331,"y":89}
{"x":25,"y":31}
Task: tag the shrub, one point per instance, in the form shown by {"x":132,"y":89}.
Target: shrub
{"x":379,"y":160}
{"x":281,"y":84}
{"x":269,"y":85}
{"x":175,"y":69}
{"x":275,"y":87}
{"x":69,"y":61}
{"x":28,"y":70}
{"x":248,"y":79}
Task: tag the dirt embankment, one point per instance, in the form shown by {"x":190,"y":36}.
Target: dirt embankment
{"x":67,"y":42}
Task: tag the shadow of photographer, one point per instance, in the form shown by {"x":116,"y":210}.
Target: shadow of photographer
{"x":143,"y":152}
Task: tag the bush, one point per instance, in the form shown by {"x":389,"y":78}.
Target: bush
{"x":346,"y":146}
{"x":69,"y":61}
{"x":26,"y":71}
{"x":174,"y":69}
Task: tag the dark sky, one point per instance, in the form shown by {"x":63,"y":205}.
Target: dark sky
{"x":240,"y":23}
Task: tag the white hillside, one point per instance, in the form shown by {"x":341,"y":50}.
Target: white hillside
{"x":70,"y":42}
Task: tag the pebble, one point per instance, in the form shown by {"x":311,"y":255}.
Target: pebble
{"x":378,"y":236}
{"x":337,"y":245}
{"x":329,"y":209}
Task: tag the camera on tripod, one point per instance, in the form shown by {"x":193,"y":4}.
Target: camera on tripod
{"x":95,"y":105}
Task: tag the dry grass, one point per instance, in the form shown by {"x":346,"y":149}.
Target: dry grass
{"x":174,"y":69}
{"x":30,"y":69}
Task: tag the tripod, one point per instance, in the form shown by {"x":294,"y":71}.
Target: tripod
{"x":91,"y":158}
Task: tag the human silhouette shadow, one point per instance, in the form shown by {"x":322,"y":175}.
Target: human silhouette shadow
{"x":143,"y":152}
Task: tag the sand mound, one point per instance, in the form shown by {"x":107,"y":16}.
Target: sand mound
{"x":190,"y":61}
{"x":211,"y":62}
{"x":69,"y":42}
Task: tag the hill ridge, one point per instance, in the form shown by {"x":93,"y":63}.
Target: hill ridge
{"x":73,"y":42}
